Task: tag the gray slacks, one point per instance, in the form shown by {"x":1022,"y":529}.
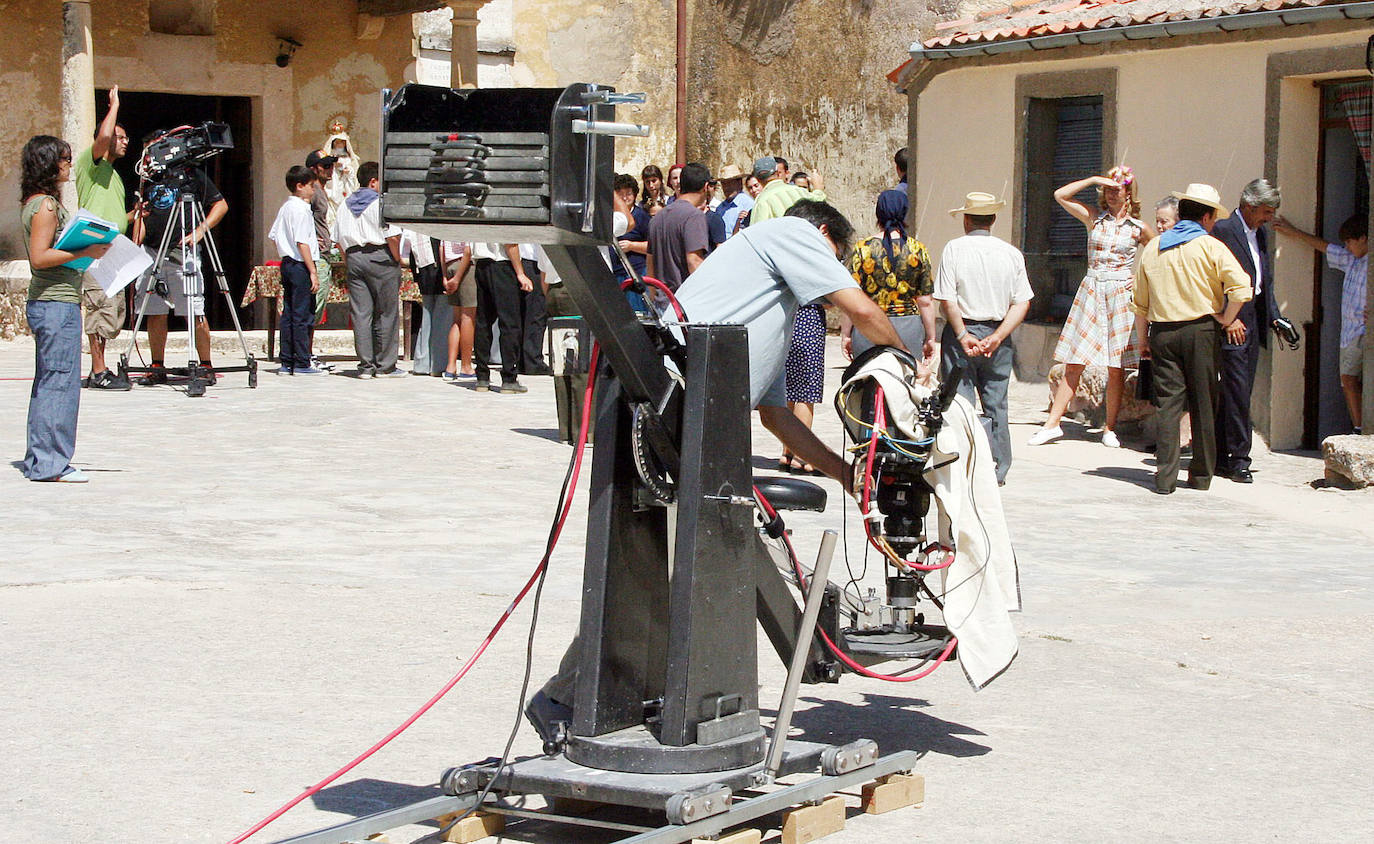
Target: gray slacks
{"x":988,"y":379}
{"x":374,"y":294}
{"x":1187,"y":356}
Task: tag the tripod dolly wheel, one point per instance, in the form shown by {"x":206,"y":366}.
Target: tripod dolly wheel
{"x":252,"y":372}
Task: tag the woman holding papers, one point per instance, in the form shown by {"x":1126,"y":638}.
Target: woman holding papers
{"x":54,"y":313}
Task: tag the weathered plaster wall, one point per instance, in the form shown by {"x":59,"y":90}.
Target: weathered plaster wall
{"x":30,"y":69}
{"x":333,"y":74}
{"x":804,"y":79}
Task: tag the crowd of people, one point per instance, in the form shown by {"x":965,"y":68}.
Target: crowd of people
{"x":1159,"y":291}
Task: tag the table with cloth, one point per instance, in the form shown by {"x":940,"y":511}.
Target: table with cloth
{"x":265,"y":283}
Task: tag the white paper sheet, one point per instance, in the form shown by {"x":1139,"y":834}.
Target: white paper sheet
{"x":124,"y":262}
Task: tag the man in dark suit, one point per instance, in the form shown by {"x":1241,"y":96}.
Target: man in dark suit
{"x":1244,"y":233}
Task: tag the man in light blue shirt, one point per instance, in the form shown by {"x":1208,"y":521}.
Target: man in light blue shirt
{"x":758,"y":279}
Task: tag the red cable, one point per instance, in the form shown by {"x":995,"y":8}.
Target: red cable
{"x":653,"y":282}
{"x":453,"y":681}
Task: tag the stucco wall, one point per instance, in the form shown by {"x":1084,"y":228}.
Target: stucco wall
{"x":1187,"y":114}
{"x":333,"y":74}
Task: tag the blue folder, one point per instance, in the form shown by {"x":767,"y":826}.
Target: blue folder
{"x":83,"y":232}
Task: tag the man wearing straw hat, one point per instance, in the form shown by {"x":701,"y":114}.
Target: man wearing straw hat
{"x":1188,"y":289}
{"x":982,"y":285}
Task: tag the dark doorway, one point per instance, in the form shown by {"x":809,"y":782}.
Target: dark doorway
{"x":1342,"y":190}
{"x":141,"y":112}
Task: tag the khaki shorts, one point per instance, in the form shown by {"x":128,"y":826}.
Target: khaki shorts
{"x":104,"y":314}
{"x":466,"y":297}
{"x":1352,"y":359}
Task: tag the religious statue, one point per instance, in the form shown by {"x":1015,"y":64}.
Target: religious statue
{"x":345,"y":180}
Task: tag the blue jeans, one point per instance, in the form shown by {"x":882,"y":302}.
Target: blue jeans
{"x":987,"y":378}
{"x":297,"y":314}
{"x":56,"y":394}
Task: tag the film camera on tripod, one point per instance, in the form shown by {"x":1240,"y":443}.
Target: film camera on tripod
{"x":174,"y":191}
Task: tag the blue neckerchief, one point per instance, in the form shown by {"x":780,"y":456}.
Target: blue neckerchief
{"x":358,"y":200}
{"x":1182,"y":232}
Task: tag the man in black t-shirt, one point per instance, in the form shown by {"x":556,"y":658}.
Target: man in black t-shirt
{"x":164,"y":288}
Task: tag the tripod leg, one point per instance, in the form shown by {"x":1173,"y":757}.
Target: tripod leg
{"x":189,"y":216}
{"x":145,"y":290}
{"x":217,"y":267}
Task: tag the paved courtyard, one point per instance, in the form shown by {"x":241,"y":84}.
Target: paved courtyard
{"x":258,"y":584}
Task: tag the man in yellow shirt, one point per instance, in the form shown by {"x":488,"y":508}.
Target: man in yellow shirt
{"x":777,"y":194}
{"x":1189,"y":288}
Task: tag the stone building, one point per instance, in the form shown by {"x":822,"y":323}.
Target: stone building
{"x":185,"y":61}
{"x":803,"y":79}
{"x":1025,"y":98}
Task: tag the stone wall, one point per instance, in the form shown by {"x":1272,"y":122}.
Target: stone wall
{"x":805,"y":79}
{"x":343,"y":63}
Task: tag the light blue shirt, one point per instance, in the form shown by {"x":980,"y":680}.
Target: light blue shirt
{"x":757,"y":280}
{"x":1352,"y":290}
{"x":730,"y":210}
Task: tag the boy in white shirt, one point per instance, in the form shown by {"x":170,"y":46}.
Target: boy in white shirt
{"x":293,"y":232}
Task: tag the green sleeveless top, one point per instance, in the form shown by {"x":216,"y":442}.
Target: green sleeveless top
{"x":54,"y":284}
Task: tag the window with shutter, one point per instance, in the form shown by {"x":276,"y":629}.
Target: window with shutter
{"x":1063,"y":144}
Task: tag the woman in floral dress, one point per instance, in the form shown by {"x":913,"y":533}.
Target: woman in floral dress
{"x":1098,"y":330}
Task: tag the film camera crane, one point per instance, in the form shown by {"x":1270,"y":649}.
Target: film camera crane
{"x":168,"y":163}
{"x":666,"y":708}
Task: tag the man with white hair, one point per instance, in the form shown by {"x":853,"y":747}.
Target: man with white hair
{"x":1244,"y":233}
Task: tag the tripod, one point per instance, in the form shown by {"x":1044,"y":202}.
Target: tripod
{"x":186,"y":216}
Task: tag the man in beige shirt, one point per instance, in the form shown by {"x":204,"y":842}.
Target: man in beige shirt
{"x":1189,"y":288}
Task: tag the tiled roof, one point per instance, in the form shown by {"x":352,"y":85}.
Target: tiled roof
{"x":1033,"y":18}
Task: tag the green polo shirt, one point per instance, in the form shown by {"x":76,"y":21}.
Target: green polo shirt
{"x":776,"y":197}
{"x":99,"y":190}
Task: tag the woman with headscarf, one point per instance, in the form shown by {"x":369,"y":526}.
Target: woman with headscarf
{"x":1100,"y":323}
{"x":894,"y":269}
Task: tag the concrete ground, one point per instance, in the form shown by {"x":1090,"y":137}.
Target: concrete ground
{"x":256,"y":585}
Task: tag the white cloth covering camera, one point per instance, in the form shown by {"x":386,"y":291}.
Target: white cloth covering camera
{"x":981,"y":587}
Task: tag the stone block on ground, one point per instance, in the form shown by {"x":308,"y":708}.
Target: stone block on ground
{"x":474,"y":827}
{"x":1349,"y":457}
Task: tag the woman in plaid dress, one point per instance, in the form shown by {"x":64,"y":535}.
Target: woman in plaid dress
{"x":1098,"y":330}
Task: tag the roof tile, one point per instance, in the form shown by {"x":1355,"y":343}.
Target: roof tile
{"x":1023,"y":18}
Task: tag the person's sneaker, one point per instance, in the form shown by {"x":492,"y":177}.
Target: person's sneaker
{"x":513,"y":387}
{"x":1045,"y":435}
{"x":1110,"y":440}
{"x":157,"y":376}
{"x":283,"y":370}
{"x":316,"y":363}
{"x":207,"y":374}
{"x":540,"y":369}
{"x":86,"y":382}
{"x":549,"y":718}
{"x":107,"y":381}
{"x":450,"y":376}
{"x":75,"y":476}
{"x":395,"y":373}
{"x":310,"y":370}
{"x":482,"y":385}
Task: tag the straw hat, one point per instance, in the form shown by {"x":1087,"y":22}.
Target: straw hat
{"x":730,"y":171}
{"x":1204,"y":194}
{"x":978,"y":204}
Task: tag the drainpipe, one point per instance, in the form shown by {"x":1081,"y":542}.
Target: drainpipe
{"x":681,"y":104}
{"x":78,"y":83}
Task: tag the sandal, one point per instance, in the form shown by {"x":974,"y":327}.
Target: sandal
{"x":785,"y":463}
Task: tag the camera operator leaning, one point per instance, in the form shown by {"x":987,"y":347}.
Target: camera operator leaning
{"x":164,"y":288}
{"x":758,"y":279}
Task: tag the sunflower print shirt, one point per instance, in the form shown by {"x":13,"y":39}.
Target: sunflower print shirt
{"x":892,"y":284}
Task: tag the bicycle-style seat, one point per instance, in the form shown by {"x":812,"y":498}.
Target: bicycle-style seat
{"x":791,"y":493}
